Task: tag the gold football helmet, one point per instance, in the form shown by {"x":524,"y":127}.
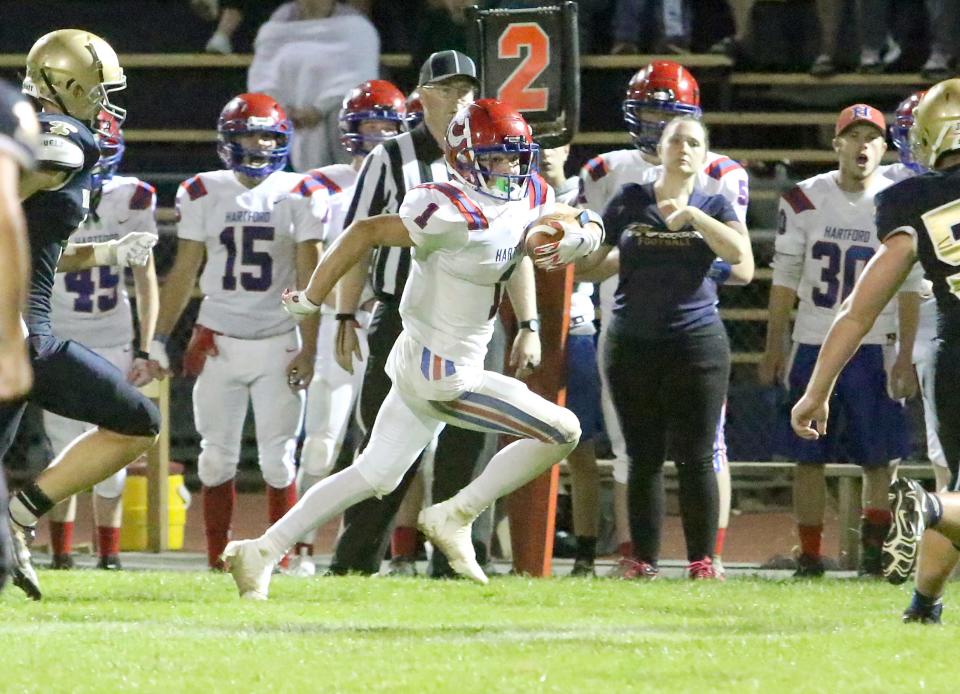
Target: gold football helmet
{"x":75,"y":70}
{"x":936,"y":124}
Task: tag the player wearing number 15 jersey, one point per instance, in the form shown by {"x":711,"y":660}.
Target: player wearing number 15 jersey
{"x":827,"y":235}
{"x":259,"y":233}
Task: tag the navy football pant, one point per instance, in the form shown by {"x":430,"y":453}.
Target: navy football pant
{"x":71,"y":381}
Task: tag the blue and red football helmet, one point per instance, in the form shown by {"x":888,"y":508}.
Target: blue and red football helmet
{"x":253,"y":113}
{"x":486,"y":127}
{"x":900,"y":131}
{"x":109,"y":137}
{"x":660,"y":91}
{"x":373,"y":100}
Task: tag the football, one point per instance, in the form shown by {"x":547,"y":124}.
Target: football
{"x":549,"y":227}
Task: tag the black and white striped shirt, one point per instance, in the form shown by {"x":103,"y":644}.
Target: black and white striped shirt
{"x":389,"y":171}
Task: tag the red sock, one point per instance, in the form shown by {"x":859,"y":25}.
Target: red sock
{"x":303,"y":548}
{"x":217,"y":511}
{"x":718,"y":545}
{"x":108,"y":540}
{"x":403,"y":542}
{"x":876,"y":523}
{"x":810,"y":538}
{"x":625,"y":549}
{"x":61,"y":537}
{"x":279,"y":501}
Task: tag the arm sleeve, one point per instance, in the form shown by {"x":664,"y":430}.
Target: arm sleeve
{"x":374,"y":192}
{"x":735,"y":188}
{"x":309,"y":215}
{"x":189,"y":214}
{"x":143,"y":208}
{"x":433,"y":222}
{"x":59,"y":153}
{"x":789,"y":247}
{"x":894,"y":212}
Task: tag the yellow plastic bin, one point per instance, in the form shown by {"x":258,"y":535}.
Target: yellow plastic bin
{"x":133,"y":531}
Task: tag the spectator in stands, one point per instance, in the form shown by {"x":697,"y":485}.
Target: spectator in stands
{"x":230,"y":15}
{"x":733,"y":46}
{"x":307,"y":56}
{"x":829,"y":15}
{"x":942,"y":16}
{"x":592,"y":19}
{"x":827,"y":235}
{"x":668,"y":357}
{"x":670,"y":17}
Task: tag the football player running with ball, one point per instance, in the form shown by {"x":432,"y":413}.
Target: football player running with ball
{"x":465,"y":236}
{"x":258,"y":230}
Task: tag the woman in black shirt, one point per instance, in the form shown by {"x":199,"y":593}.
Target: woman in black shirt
{"x":668,"y":358}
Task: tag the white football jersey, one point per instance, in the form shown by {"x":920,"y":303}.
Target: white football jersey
{"x":834,"y":235}
{"x":91,"y":306}
{"x":338,"y":182}
{"x":250,"y":236}
{"x":465,"y":250}
{"x":603,"y":176}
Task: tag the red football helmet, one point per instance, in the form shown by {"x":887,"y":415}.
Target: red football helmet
{"x":900,"y":131}
{"x":414,"y":109}
{"x":253,"y":113}
{"x":488,"y":127}
{"x":665,"y":89}
{"x":109,"y":137}
{"x":373,"y":100}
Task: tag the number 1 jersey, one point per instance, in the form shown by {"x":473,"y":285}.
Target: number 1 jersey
{"x":250,"y":236}
{"x":91,"y":306}
{"x":825,"y":238}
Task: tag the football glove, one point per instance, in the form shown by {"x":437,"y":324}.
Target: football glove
{"x":133,"y":250}
{"x":297,"y":304}
{"x":580,"y":238}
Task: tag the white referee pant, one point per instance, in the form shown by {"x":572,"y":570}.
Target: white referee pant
{"x":245,"y":371}
{"x":62,"y":431}
{"x":330,"y":400}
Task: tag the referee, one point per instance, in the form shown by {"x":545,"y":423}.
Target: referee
{"x":448,"y":81}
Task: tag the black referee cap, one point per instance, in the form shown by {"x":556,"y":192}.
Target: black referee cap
{"x":444,"y":65}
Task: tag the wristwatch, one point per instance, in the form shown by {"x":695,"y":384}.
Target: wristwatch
{"x":533,"y":325}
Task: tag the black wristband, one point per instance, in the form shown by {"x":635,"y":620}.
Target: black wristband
{"x":347,"y":316}
{"x":141,"y":354}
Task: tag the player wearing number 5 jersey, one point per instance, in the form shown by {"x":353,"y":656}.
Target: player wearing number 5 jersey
{"x":259,"y":232}
{"x":92,"y":307}
{"x":466,"y":237}
{"x":827,"y":235}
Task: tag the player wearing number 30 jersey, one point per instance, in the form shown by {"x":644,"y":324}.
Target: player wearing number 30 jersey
{"x":466,"y":237}
{"x":826,"y":237}
{"x":259,"y":232}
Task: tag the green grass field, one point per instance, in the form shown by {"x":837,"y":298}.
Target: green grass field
{"x":188,"y":632}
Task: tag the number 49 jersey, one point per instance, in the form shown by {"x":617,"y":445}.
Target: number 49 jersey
{"x":91,"y":306}
{"x":466,"y":248}
{"x":825,"y":238}
{"x":250,"y":236}
{"x":928,"y":208}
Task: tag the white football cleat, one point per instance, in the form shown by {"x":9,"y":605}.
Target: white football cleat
{"x":250,"y":568}
{"x":449,"y":531}
{"x":22,"y":572}
{"x":302,"y":567}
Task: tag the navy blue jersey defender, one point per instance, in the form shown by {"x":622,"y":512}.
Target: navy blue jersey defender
{"x":665,"y":286}
{"x":69,"y":379}
{"x":928,"y":207}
